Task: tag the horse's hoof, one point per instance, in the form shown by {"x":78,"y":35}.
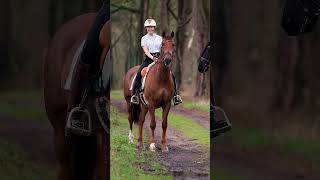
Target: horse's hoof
{"x":140,"y":146}
{"x":152,"y":147}
{"x":165,"y":149}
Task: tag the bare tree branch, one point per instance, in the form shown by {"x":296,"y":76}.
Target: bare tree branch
{"x":120,"y":7}
{"x":172,"y":13}
{"x":118,"y":38}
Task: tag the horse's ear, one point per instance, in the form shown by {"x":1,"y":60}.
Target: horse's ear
{"x":172,"y":34}
{"x":163,"y":33}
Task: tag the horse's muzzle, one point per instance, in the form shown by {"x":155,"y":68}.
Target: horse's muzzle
{"x":167,"y":61}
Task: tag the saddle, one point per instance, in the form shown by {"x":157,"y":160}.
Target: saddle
{"x":105,"y":73}
{"x":144,"y":74}
{"x":300,"y":16}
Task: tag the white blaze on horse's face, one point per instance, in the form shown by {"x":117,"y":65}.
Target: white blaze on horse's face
{"x":167,"y":51}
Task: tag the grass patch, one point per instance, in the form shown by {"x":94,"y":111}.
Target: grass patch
{"x":13,"y":165}
{"x":126,"y":162}
{"x":116,"y":94}
{"x":200,"y":106}
{"x":26,"y":104}
{"x":223,"y":174}
{"x":21,"y":111}
{"x":251,"y":138}
{"x":188,"y":128}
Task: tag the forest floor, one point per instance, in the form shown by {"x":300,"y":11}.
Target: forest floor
{"x":26,"y":146}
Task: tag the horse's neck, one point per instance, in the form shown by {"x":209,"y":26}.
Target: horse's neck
{"x":162,"y":73}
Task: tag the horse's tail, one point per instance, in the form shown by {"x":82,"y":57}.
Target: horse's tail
{"x":135,"y":110}
{"x":83,"y":156}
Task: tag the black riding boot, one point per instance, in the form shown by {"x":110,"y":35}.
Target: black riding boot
{"x":135,"y":91}
{"x":78,"y":121}
{"x":176,"y":97}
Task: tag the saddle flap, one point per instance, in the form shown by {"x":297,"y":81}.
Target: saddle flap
{"x":144,"y":77}
{"x":75,"y":60}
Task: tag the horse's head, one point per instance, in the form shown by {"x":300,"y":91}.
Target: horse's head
{"x":167,"y":48}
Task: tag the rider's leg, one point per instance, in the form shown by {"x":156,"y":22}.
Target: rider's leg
{"x":89,"y":61}
{"x":176,"y":97}
{"x":92,"y":49}
{"x":137,"y":83}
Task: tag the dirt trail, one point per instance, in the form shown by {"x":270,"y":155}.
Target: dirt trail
{"x":201,"y":118}
{"x":33,"y":137}
{"x":185,"y":159}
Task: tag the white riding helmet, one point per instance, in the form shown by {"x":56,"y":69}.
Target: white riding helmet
{"x":150,"y":22}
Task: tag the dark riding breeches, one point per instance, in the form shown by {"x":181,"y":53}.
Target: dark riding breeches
{"x":92,"y":50}
{"x":145,"y":63}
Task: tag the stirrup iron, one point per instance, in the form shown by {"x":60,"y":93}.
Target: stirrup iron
{"x":79,"y":122}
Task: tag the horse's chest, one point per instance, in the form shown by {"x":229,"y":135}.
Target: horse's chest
{"x":160,"y":96}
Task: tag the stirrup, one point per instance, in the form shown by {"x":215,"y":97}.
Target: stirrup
{"x":134,"y":99}
{"x":177,"y":100}
{"x":225,"y":120}
{"x":79,"y":122}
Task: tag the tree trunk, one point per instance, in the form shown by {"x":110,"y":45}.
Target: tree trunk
{"x":200,"y":23}
{"x":5,"y":20}
{"x":140,"y":32}
{"x":164,"y":15}
{"x":219,"y":37}
{"x":184,"y":13}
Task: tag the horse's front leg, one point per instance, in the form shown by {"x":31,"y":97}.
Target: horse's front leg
{"x":165,"y":112}
{"x":142,"y":117}
{"x":153,"y":125}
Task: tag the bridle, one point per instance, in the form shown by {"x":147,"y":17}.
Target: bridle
{"x":166,"y":53}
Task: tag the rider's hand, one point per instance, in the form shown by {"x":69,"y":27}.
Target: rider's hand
{"x":155,"y":59}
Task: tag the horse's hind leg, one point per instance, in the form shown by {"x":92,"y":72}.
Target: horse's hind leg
{"x":131,"y":137}
{"x":61,"y":149}
{"x":166,"y":109}
{"x":141,"y":122}
{"x":103,"y":157}
{"x":153,"y":125}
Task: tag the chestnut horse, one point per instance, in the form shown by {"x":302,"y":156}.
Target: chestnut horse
{"x":84,"y":158}
{"x":158,"y":92}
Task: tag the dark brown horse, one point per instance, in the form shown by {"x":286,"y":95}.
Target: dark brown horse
{"x":158,"y":92}
{"x":84,"y":158}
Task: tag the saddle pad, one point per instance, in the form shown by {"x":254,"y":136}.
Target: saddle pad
{"x":145,"y":77}
{"x":106,"y":70}
{"x":75,"y":60}
{"x":134,"y":78}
